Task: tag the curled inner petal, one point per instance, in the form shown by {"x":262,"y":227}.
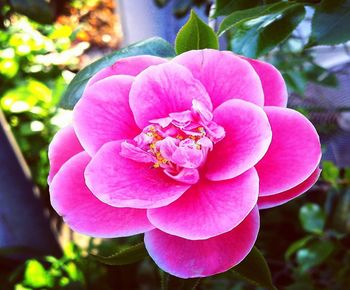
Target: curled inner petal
{"x":178,"y":144}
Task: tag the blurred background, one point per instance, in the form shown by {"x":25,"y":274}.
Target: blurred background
{"x":43,"y":44}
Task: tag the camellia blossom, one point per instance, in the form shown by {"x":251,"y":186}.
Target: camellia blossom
{"x":186,"y":151}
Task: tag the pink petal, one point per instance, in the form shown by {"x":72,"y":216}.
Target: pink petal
{"x":248,"y":136}
{"x":224,"y":75}
{"x":275,"y":90}
{"x":164,"y":89}
{"x":122,"y":182}
{"x":63,"y":146}
{"x":293,"y":155}
{"x":201,"y":258}
{"x":186,"y":175}
{"x":209,"y":208}
{"x":283,"y":197}
{"x":130,"y":66}
{"x":84,"y":213}
{"x":103,"y":113}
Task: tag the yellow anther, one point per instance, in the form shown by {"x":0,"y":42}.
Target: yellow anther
{"x":157,"y":136}
{"x":156,"y":165}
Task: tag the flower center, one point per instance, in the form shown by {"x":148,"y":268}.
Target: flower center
{"x":178,"y":144}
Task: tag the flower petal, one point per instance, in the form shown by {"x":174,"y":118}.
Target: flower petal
{"x":293,"y":155}
{"x":122,"y":182}
{"x":275,"y":89}
{"x":164,"y":89}
{"x":285,"y":196}
{"x":130,"y":66}
{"x":248,"y":136}
{"x":224,"y":75}
{"x":103,"y":113}
{"x":209,"y":208}
{"x":188,"y":259}
{"x":63,"y":146}
{"x":84,"y":213}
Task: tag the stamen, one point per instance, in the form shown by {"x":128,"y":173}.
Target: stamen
{"x":178,"y":144}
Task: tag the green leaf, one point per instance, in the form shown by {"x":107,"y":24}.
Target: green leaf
{"x":320,"y":75}
{"x":340,"y":221}
{"x":262,"y":29}
{"x":128,"y":256}
{"x":36,"y":276}
{"x":254,"y":269}
{"x":331,"y":22}
{"x":314,"y":254}
{"x":330,"y":172}
{"x":153,"y":46}
{"x":312,"y":218}
{"x":170,"y":282}
{"x":225,"y":7}
{"x":296,"y":81}
{"x":347,"y":174}
{"x":297,"y":246}
{"x":195,"y":34}
{"x":239,"y":17}
{"x":41,"y":11}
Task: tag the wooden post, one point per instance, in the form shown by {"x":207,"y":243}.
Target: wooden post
{"x":22,"y":219}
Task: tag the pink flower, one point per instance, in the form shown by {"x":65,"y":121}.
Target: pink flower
{"x":186,"y":151}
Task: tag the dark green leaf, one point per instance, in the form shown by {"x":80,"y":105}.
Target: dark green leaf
{"x":297,"y":246}
{"x":41,"y":11}
{"x":347,"y":174}
{"x":320,"y":75}
{"x":195,"y":34}
{"x":153,"y":46}
{"x":255,"y":270}
{"x":239,"y":17}
{"x":170,"y":282}
{"x":161,"y":3}
{"x":182,"y":7}
{"x":225,"y":7}
{"x":341,"y":217}
{"x":312,"y":218}
{"x":296,"y":81}
{"x":128,"y":256}
{"x":261,"y":33}
{"x":331,"y":22}
{"x":314,"y":254}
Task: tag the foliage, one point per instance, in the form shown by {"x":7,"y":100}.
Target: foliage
{"x":330,"y":23}
{"x":41,"y":11}
{"x":269,"y":29}
{"x":154,"y":46}
{"x":195,"y":34}
{"x":306,"y":247}
{"x":34,"y":63}
{"x":72,"y":271}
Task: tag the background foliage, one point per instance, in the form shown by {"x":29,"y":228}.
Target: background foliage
{"x":305,"y":242}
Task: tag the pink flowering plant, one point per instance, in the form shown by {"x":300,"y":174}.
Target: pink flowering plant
{"x":184,"y":149}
